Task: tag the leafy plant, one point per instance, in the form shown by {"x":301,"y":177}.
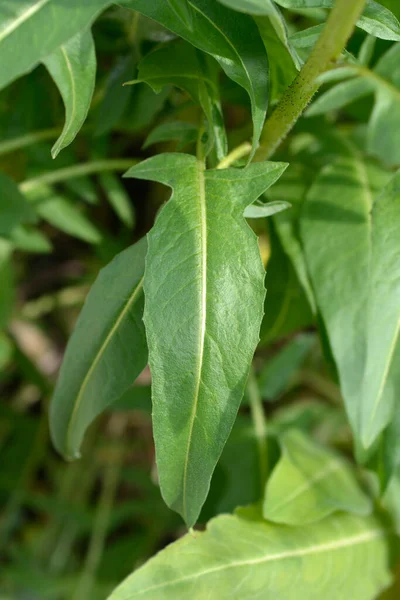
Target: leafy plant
{"x":249,"y":313}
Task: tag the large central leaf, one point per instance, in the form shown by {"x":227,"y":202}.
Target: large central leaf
{"x":249,"y":559}
{"x":204,"y":290}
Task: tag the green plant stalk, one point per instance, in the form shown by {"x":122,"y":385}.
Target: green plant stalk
{"x":236,"y":154}
{"x":338,"y":28}
{"x":260,"y":426}
{"x":28,"y":139}
{"x":66,"y":173}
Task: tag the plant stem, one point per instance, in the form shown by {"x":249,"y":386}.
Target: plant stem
{"x":338,"y":28}
{"x":119,"y":164}
{"x":236,"y":154}
{"x":28,"y":139}
{"x":260,"y":426}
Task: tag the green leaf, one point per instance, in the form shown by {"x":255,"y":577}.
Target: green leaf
{"x":340,"y":237}
{"x":14,"y":209}
{"x":340,"y":95}
{"x":57,"y":22}
{"x":63,"y":215}
{"x":375,"y":19}
{"x":6,"y":347}
{"x":184,"y":133}
{"x":106,"y":352}
{"x":260,"y":210}
{"x":309,"y":483}
{"x":118,"y":197}
{"x":184,"y":11}
{"x":179,"y":64}
{"x":381,"y":380}
{"x":276,"y":375}
{"x":204,"y":296}
{"x":234,"y":43}
{"x":30,"y":240}
{"x":248,"y":558}
{"x":73,"y":69}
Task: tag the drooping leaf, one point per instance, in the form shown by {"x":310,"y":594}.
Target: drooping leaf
{"x":339,"y":231}
{"x":277,"y":373}
{"x":22,"y":47}
{"x":204,"y":290}
{"x":14,"y":209}
{"x":375,"y":19}
{"x":106,"y":352}
{"x":235,"y":43}
{"x":309,"y":483}
{"x":179,"y":63}
{"x":73,"y":69}
{"x":30,"y":240}
{"x":260,"y":210}
{"x":243,"y":556}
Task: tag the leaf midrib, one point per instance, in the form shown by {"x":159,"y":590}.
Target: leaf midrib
{"x":367,"y":536}
{"x":98,"y":356}
{"x":22,"y":18}
{"x":203,"y":314}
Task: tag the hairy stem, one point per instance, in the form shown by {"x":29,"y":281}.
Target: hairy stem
{"x":338,"y":28}
{"x":77,"y":171}
{"x":260,"y":426}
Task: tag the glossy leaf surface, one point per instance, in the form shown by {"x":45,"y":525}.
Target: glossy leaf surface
{"x":204,"y":296}
{"x":106,"y":352}
{"x":253,"y":559}
{"x":73,"y":69}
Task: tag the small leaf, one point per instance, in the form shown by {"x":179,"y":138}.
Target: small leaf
{"x":7,"y":285}
{"x":14,"y":209}
{"x":340,"y":95}
{"x":241,"y":556}
{"x":310,"y":483}
{"x":37,"y":28}
{"x":204,"y":288}
{"x":73,"y":69}
{"x":260,"y":210}
{"x":179,"y":64}
{"x":235,"y":43}
{"x":106,"y":352}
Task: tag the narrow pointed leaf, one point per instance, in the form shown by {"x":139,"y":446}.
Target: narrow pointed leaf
{"x":184,"y":11}
{"x":341,"y":249}
{"x":235,"y":43}
{"x":22,"y":48}
{"x":250,"y":559}
{"x":106,"y":352}
{"x":381,"y":383}
{"x":309,"y":483}
{"x":73,"y":69}
{"x":204,"y":302}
